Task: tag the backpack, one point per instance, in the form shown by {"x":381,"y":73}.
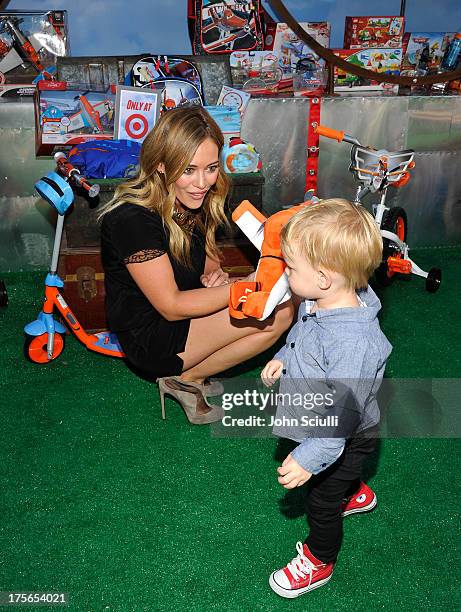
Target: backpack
{"x":154,"y":67}
{"x":223,"y":26}
{"x":177,"y":80}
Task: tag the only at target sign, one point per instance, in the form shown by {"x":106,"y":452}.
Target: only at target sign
{"x":137,"y":126}
{"x":137,"y":111}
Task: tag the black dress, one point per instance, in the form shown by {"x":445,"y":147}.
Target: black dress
{"x":134,"y":234}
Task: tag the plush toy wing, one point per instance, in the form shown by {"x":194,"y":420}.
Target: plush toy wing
{"x":258,"y":299}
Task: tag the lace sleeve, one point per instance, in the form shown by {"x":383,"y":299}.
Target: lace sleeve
{"x":144,"y":255}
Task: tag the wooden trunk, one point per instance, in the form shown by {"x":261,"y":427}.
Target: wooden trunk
{"x":83,"y":276}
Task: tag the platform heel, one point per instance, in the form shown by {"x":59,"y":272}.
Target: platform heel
{"x":191,"y":398}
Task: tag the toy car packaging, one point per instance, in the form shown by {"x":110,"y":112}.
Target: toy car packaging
{"x":295,"y":57}
{"x":255,"y":71}
{"x":385,"y":60}
{"x":223,"y":26}
{"x":69,"y":116}
{"x":365,"y":32}
{"x":30,"y":43}
{"x":424,"y":50}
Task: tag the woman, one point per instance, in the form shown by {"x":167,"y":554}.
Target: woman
{"x":166,"y":294}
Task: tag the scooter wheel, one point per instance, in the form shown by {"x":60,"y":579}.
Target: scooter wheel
{"x":35,"y":348}
{"x":395,"y":221}
{"x":433,"y":280}
{"x":3,"y":294}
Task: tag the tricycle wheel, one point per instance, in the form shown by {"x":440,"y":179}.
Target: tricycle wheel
{"x":395,"y":221}
{"x":3,"y":294}
{"x":35,"y":348}
{"x":433,"y":280}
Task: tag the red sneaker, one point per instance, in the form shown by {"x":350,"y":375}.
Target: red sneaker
{"x":304,"y":573}
{"x":363,"y":500}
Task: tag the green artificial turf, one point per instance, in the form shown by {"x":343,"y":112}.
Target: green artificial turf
{"x":102,"y":499}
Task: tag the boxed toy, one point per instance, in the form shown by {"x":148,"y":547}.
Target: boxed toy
{"x":255,"y":71}
{"x":295,"y":57}
{"x":65,"y":117}
{"x":424,"y":50}
{"x":380,"y":60}
{"x":234,"y":97}
{"x":16,"y":93}
{"x":30,"y":43}
{"x":365,"y":32}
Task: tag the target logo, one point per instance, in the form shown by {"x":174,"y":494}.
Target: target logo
{"x":136,"y":126}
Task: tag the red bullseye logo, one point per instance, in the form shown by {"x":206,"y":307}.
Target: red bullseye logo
{"x":136,"y":126}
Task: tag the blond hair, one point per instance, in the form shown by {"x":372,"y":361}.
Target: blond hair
{"x":173,"y":143}
{"x":338,"y":235}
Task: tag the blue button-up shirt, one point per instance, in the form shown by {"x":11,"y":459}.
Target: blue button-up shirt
{"x":333,"y":364}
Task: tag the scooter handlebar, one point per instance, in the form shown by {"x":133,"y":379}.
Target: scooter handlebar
{"x":73,"y":173}
{"x":323,"y":130}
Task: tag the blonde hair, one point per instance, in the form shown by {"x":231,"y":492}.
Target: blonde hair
{"x":173,"y":143}
{"x":338,"y":235}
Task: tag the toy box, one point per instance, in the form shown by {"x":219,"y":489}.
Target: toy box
{"x":255,"y":71}
{"x":424,"y":49}
{"x":365,"y":32}
{"x":65,"y":117}
{"x":295,"y":57}
{"x":16,"y":93}
{"x":380,"y":60}
{"x":30,"y":43}
{"x":234,"y":97}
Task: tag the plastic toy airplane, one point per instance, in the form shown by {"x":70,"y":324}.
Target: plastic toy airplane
{"x":29,"y":47}
{"x":89,"y":115}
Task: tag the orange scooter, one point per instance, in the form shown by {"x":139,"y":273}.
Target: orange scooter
{"x":45,"y":336}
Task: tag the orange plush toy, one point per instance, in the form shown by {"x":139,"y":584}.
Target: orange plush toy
{"x":258,"y":298}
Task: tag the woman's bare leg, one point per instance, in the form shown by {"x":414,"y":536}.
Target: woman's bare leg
{"x":216,"y":342}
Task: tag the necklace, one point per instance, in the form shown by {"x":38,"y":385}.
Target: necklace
{"x":185,"y":219}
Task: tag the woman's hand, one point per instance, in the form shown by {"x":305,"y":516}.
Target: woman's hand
{"x":216,"y":278}
{"x":271,"y":372}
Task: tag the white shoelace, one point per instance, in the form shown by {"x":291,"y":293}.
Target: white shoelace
{"x":301,"y":566}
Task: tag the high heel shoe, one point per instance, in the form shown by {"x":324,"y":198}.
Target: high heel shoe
{"x":191,"y":398}
{"x":212,"y":387}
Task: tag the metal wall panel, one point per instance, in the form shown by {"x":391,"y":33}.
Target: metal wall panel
{"x":278,"y":129}
{"x":434,"y":124}
{"x":428,"y":124}
{"x":433,"y":201}
{"x":19,"y":169}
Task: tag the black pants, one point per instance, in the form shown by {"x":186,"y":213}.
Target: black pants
{"x":326,"y":492}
